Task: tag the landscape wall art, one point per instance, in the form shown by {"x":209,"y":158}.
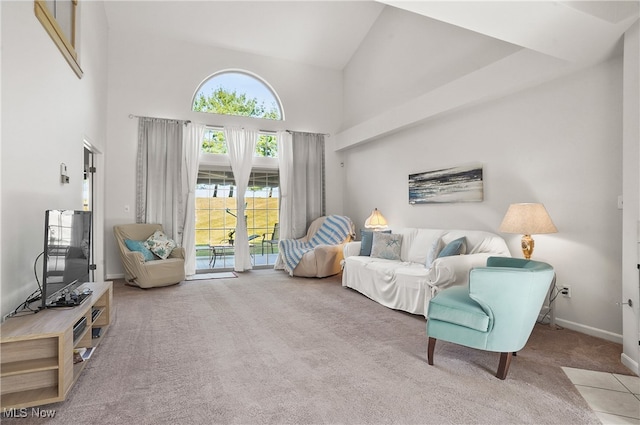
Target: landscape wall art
{"x":457,"y":184}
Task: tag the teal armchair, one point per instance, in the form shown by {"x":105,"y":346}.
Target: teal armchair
{"x":496,"y":312}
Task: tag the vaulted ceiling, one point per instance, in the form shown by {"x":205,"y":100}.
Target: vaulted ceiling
{"x":327,"y":33}
{"x":549,"y":39}
{"x":320,"y":33}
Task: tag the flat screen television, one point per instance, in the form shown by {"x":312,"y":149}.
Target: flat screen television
{"x":67,"y":257}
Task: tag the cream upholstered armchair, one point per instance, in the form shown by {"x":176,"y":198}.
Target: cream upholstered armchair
{"x":320,"y":252}
{"x":141,"y":266}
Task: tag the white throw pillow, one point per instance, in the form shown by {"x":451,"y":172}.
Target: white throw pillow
{"x":435,"y":249}
{"x":419,"y":244}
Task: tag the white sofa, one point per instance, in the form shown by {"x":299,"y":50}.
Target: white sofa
{"x":408,"y":284}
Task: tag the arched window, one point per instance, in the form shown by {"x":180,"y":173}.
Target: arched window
{"x":241,"y":93}
{"x":235,"y":92}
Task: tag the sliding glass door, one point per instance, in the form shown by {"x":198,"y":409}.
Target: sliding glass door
{"x":216,"y":218}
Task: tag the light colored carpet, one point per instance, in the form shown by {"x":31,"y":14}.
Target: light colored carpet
{"x":265,"y":348}
{"x":216,"y":275}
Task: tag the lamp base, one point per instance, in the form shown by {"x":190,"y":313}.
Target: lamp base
{"x":527,"y":246}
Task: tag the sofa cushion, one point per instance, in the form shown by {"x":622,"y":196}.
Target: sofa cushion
{"x":140,"y":247}
{"x":454,"y":305}
{"x":394,"y":284}
{"x":160,"y":244}
{"x":386,"y":245}
{"x":367,"y":240}
{"x":455,"y":247}
{"x":417,"y":243}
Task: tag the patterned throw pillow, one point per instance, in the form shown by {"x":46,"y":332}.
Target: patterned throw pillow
{"x":139,"y":246}
{"x":160,"y":244}
{"x":386,"y":245}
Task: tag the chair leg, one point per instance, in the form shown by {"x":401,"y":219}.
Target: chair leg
{"x":503,"y":367}
{"x":430,"y":348}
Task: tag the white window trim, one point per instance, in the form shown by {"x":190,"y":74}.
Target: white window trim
{"x":222,"y":160}
{"x":250,"y":74}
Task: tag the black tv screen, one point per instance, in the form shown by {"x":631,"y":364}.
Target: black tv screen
{"x":67,"y":254}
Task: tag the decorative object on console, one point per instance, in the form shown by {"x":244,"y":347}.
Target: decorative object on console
{"x":457,"y":184}
{"x":527,"y":219}
{"x":376,"y":221}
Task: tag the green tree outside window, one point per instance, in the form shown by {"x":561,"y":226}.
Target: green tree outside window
{"x":225,"y":102}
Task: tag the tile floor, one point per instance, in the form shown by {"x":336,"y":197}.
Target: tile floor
{"x":614,"y":398}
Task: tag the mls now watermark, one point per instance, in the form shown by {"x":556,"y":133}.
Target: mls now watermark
{"x":34,"y":412}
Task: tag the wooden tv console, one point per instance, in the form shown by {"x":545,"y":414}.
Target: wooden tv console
{"x":36,"y":351}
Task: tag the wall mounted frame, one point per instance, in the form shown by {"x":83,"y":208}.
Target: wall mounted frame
{"x":457,"y":184}
{"x":58,"y":17}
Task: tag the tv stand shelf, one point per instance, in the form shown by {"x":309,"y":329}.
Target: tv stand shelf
{"x":37,"y":351}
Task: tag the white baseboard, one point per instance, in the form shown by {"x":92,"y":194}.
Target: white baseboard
{"x":631,"y":364}
{"x":609,"y":336}
{"x":115,"y":276}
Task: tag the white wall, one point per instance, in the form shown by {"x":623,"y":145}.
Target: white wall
{"x":158,"y":78}
{"x":47,"y":112}
{"x":559,"y":143}
{"x":406,"y":54}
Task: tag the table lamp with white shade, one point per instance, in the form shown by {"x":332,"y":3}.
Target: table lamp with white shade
{"x":376,"y":221}
{"x":527,"y":219}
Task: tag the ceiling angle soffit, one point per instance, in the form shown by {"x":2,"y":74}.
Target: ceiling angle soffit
{"x":559,"y":29}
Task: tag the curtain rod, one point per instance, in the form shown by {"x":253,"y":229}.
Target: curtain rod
{"x":131,"y":116}
{"x":307,"y":132}
{"x":220,"y":127}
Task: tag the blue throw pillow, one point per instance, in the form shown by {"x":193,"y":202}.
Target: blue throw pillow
{"x":138,"y":246}
{"x":367,"y":240}
{"x":456,"y":247}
